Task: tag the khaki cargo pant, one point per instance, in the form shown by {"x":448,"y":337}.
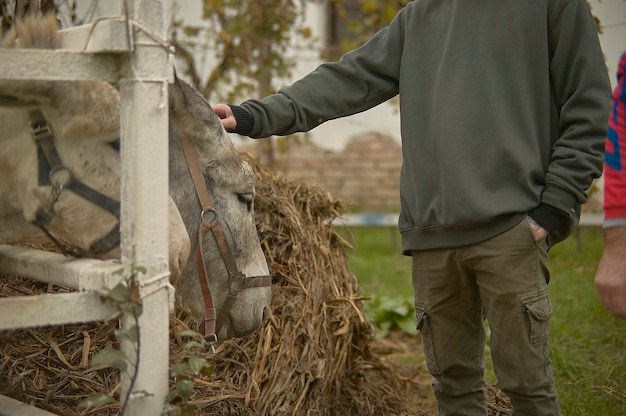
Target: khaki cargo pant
{"x":504,"y":280}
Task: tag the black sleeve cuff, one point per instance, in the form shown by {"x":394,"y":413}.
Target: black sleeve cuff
{"x":548,"y":217}
{"x":245,"y":122}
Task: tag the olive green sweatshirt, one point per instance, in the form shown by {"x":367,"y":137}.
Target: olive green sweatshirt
{"x":504,"y":107}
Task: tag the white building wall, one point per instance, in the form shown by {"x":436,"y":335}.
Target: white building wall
{"x":384,"y":119}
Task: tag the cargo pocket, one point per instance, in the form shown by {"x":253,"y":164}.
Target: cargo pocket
{"x":538,"y":311}
{"x":427,"y":341}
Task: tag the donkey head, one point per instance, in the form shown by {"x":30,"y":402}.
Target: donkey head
{"x":240,"y":292}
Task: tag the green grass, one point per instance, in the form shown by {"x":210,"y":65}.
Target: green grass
{"x":588,"y":347}
{"x":377,"y":262}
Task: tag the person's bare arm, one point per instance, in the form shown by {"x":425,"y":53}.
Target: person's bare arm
{"x":611,"y":274}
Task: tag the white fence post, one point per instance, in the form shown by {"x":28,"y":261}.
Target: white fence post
{"x":144,"y":146}
{"x":141,"y":64}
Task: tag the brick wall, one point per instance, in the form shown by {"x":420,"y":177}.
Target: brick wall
{"x":365,"y":173}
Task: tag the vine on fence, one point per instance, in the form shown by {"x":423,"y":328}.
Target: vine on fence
{"x":185,"y":374}
{"x":126,"y":299}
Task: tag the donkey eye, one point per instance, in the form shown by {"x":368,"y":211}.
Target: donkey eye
{"x":246,"y":198}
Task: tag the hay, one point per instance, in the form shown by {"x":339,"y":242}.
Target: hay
{"x":50,"y":367}
{"x":315,"y":354}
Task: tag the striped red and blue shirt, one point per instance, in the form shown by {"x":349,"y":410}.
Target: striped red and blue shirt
{"x":615,"y":154}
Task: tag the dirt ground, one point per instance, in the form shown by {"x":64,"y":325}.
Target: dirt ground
{"x":406,"y":351}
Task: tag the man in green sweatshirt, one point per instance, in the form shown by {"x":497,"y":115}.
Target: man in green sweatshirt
{"x":504,"y":107}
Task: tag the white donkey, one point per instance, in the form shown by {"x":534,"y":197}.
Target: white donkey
{"x":84,"y":117}
{"x":60,"y":161}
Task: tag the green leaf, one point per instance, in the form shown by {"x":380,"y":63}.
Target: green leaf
{"x":172,"y":395}
{"x":95,"y":400}
{"x":119,"y":293}
{"x":135,"y":309}
{"x":112,"y":357}
{"x":189,"y":333}
{"x":386,"y":303}
{"x":407,"y":326}
{"x":401,"y":309}
{"x":389,"y":312}
{"x":188,"y":409}
{"x":130,"y":334}
{"x":178,"y":369}
{"x":197,"y":364}
{"x":184,"y":387}
{"x":383,"y":329}
{"x":193,"y":345}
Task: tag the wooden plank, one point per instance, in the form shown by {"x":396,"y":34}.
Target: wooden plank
{"x":45,"y":266}
{"x":54,"y":309}
{"x":57,"y":65}
{"x":12,"y":407}
{"x":105,"y":35}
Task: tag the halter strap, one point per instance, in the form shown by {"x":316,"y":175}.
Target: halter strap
{"x":53,"y":173}
{"x":237,"y":281}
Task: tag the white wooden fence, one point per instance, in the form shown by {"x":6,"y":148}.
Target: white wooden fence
{"x":129,"y":49}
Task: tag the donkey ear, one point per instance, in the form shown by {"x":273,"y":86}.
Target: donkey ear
{"x":191,"y":112}
{"x":31,"y":32}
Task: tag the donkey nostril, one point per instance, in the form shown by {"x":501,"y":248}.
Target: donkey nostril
{"x":266,"y":312}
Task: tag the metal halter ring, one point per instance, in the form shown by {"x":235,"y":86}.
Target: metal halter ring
{"x":60,"y":177}
{"x":208,"y":216}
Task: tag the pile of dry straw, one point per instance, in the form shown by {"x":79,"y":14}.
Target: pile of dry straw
{"x":315,"y":354}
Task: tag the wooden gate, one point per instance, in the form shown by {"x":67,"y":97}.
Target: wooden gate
{"x":129,"y":49}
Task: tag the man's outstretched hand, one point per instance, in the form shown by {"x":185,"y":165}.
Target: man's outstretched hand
{"x":226,"y":116}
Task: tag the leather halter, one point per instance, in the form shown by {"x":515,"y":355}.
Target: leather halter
{"x":237,"y":281}
{"x":53,"y":173}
